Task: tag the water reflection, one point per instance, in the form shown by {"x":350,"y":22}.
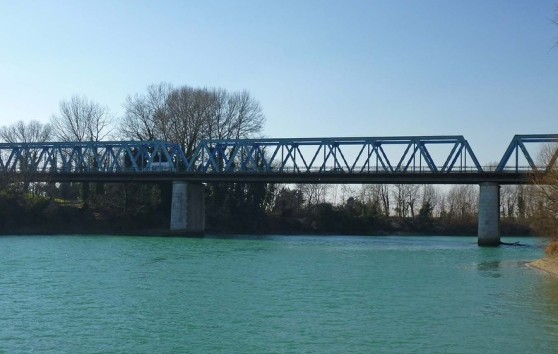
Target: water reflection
{"x":490,"y":268}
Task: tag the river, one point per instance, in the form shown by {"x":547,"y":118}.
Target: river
{"x":277,"y":294}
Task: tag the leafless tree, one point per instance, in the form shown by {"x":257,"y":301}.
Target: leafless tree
{"x":376,"y":197}
{"x":234,"y":116}
{"x":509,"y":200}
{"x":80,"y":119}
{"x":185,"y":115}
{"x":348,"y":192}
{"x":248,"y":117}
{"x":401,"y":207}
{"x":527,"y":201}
{"x":21,"y":132}
{"x":406,"y":198}
{"x":430,"y":199}
{"x":462,"y":202}
{"x":31,"y":132}
{"x":144,"y":117}
{"x":313,"y":194}
{"x":412,"y":196}
{"x":383,"y":193}
{"x":188,"y":114}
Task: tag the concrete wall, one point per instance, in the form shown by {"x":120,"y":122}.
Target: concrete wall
{"x":188,"y":207}
{"x":489,"y":215}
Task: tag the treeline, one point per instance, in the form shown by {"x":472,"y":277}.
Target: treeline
{"x":388,"y":209}
{"x":259,"y":208}
{"x":186,"y":115}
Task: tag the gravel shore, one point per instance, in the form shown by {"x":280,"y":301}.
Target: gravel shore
{"x":549,"y":265}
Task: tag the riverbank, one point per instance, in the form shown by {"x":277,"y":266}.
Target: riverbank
{"x":23,"y":213}
{"x":549,"y":265}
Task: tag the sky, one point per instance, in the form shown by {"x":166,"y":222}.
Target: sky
{"x":484,"y":69}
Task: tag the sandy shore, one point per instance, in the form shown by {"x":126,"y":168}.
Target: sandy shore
{"x":549,"y":265}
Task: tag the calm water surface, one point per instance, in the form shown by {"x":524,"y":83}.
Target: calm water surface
{"x":77,"y":294}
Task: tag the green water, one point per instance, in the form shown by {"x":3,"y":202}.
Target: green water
{"x":77,"y":294}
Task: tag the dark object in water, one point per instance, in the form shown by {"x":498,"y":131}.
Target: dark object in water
{"x":517,"y":243}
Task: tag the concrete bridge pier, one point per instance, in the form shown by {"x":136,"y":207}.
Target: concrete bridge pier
{"x":188,"y":208}
{"x":489,"y":215}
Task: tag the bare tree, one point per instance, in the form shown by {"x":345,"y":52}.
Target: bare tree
{"x":462,"y":202}
{"x":31,"y":132}
{"x":185,"y":115}
{"x":401,"y":207}
{"x":412,"y":194}
{"x":313,"y":193}
{"x":188,"y":114}
{"x":21,"y":132}
{"x":376,"y":197}
{"x":430,"y":199}
{"x":248,"y":117}
{"x":144,"y":118}
{"x":221,"y":125}
{"x":80,"y":119}
{"x":348,"y":192}
{"x":406,"y":198}
{"x":509,"y":200}
{"x":234,"y":115}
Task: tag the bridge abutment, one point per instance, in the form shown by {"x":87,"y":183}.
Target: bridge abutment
{"x":489,"y":215}
{"x":187,"y":208}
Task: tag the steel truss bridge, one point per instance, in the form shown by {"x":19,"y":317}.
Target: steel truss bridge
{"x":410,"y":159}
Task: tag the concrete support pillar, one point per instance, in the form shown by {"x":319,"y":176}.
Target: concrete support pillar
{"x":188,"y":208}
{"x":196,"y":208}
{"x":489,"y":215}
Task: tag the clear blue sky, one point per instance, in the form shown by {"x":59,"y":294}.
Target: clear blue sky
{"x":484,"y":69}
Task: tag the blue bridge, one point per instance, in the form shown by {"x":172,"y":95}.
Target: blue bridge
{"x":424,"y":159}
{"x":373,"y":160}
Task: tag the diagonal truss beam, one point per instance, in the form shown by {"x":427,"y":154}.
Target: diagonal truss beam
{"x":518,"y":147}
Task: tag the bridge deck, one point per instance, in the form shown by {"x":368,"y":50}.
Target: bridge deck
{"x":326,"y":178}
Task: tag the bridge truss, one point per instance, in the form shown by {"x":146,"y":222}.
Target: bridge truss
{"x":547,"y":158}
{"x":346,"y":155}
{"x":91,"y":157}
{"x":414,"y":159}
